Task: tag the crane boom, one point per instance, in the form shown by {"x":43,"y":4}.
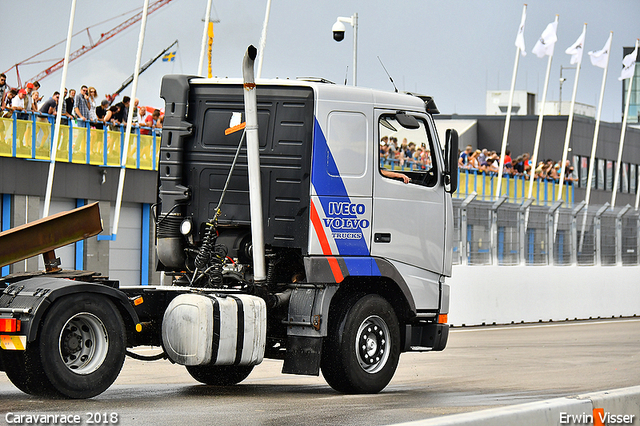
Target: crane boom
{"x":143,"y":68}
{"x":103,"y":38}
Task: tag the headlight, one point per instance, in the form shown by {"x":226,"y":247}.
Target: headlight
{"x":186,"y":227}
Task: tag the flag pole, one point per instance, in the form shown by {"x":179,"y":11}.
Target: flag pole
{"x":594,"y":145}
{"x":507,"y":123}
{"x":263,"y":38}
{"x":205,"y":33}
{"x":56,"y":131}
{"x":127,"y":133}
{"x":614,"y":191}
{"x":567,"y":137}
{"x":536,"y":144}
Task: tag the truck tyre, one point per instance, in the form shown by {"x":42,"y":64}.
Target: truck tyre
{"x":219,"y":375}
{"x":361,"y":351}
{"x":82,"y":345}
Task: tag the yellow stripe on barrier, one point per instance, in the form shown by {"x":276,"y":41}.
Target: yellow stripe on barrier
{"x":13,"y":343}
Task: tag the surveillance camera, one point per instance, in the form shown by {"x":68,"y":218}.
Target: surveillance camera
{"x":338,"y":31}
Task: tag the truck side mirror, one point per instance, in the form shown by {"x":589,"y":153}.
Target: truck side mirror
{"x":451,"y":161}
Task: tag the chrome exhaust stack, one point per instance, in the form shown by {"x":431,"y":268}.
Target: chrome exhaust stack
{"x":253,"y":162}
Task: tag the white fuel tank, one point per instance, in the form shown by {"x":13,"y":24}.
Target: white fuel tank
{"x":215,"y":329}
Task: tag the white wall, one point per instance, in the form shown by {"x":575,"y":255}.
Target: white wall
{"x":506,"y":294}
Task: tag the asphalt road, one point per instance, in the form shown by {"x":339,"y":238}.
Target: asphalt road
{"x":481,"y":367}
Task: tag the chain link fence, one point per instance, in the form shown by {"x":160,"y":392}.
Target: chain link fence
{"x":503,"y":233}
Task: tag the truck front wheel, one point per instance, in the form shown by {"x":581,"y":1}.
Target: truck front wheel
{"x":220,"y":375}
{"x":82,"y":345}
{"x":361,"y":351}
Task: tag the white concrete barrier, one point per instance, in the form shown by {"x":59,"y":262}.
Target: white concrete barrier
{"x":506,"y":294}
{"x":620,"y":406}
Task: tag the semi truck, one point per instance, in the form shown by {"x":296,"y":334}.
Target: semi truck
{"x":282,"y":232}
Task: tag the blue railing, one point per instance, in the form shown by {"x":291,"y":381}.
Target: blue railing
{"x":515,"y":188}
{"x":31,"y":137}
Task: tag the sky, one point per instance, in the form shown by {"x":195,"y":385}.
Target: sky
{"x":454,"y":50}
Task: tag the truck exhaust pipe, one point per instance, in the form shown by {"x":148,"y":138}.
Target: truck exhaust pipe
{"x":253,"y":162}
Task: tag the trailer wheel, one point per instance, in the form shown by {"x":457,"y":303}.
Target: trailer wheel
{"x":220,"y":375}
{"x":362,"y":349}
{"x":82,"y":342}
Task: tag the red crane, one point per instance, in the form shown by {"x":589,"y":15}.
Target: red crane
{"x":84,"y":49}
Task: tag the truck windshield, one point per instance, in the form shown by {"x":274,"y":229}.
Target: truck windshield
{"x":406,"y":151}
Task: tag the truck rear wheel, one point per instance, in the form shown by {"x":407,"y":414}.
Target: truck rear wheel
{"x":82,"y":345}
{"x":361,"y":351}
{"x":220,"y":375}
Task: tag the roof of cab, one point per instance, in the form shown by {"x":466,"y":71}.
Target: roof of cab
{"x":333,"y":92}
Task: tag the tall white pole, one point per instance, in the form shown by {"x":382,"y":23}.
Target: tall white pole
{"x":56,"y":132}
{"x":594,"y":145}
{"x":354,"y":23}
{"x":127,"y":133}
{"x":567,"y":137}
{"x":507,"y":123}
{"x":614,"y":191}
{"x":204,"y":37}
{"x":536,"y":144}
{"x":263,"y":38}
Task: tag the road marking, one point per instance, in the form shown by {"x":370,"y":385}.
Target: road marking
{"x":520,"y":326}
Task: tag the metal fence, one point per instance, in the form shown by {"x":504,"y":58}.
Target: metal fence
{"x":79,"y":142}
{"x":514,"y":188}
{"x":506,"y":233}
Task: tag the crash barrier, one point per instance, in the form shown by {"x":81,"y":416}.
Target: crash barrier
{"x":618,"y":406}
{"x":529,"y":294}
{"x":81,"y":142}
{"x":525,"y":263}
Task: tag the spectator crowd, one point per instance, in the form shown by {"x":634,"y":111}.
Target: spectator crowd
{"x":83,"y":106}
{"x":406,"y":154}
{"x":488,"y":162}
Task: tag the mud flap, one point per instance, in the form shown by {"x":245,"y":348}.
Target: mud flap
{"x":303,"y":355}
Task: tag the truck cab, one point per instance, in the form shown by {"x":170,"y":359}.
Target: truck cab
{"x":344,"y":233}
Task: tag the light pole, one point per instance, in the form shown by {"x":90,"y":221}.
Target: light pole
{"x":338,"y":30}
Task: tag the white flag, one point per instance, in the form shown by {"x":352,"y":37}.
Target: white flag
{"x":601,"y":57}
{"x":576,"y":49}
{"x":629,"y":64}
{"x":547,"y":41}
{"x":520,"y":36}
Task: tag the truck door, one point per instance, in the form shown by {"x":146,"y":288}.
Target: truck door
{"x":408,"y":225}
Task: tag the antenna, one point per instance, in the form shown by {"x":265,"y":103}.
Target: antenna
{"x":346,"y":74}
{"x":388,"y":75}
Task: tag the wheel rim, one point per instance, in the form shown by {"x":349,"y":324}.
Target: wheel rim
{"x":372,"y":344}
{"x":83,"y":343}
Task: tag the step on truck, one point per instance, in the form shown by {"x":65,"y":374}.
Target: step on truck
{"x":284,"y":234}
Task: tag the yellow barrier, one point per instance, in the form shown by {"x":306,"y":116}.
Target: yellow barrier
{"x":24,"y":133}
{"x":515,"y":189}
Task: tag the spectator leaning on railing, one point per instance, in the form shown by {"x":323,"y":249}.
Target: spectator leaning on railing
{"x":4,"y":90}
{"x":68,"y":103}
{"x":81,"y":105}
{"x":8,"y":109}
{"x":50,"y":107}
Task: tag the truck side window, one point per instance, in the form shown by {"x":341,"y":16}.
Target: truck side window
{"x":406,"y":153}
